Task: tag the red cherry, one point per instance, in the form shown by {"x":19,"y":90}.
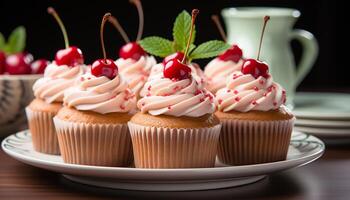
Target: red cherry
{"x":256,"y":68}
{"x":234,"y":54}
{"x":70,"y":56}
{"x":131,"y":50}
{"x":178,"y":55}
{"x":2,"y":62}
{"x":19,"y":63}
{"x":39,"y":66}
{"x":104,"y":67}
{"x":174,"y":69}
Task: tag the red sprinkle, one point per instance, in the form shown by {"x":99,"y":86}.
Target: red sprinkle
{"x":283,"y":92}
{"x":149,"y":88}
{"x":143,"y":104}
{"x":254,"y":102}
{"x":255,"y":88}
{"x":235,"y":92}
{"x":228,"y":91}
{"x":274,"y":103}
{"x":284,"y":101}
{"x":82,"y":79}
{"x":88,"y":78}
{"x":122,"y":107}
{"x":201,"y":99}
{"x":219,"y":101}
{"x":265,"y":94}
{"x":169,"y":107}
{"x":148,"y":94}
{"x":261,"y":82}
{"x":176,"y":88}
{"x":237,"y":99}
{"x":198,"y":92}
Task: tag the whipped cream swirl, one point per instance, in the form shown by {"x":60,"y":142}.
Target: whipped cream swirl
{"x":244,"y":93}
{"x":157,"y":73}
{"x":100,"y":94}
{"x":218,"y":70}
{"x":136,"y":72}
{"x":176,"y":98}
{"x":56,"y":80}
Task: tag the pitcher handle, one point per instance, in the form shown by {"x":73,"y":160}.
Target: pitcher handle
{"x":310,"y":52}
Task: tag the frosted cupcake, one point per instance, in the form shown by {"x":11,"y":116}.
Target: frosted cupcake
{"x":48,"y":92}
{"x":92,"y":125}
{"x":176,"y":127}
{"x":221,"y":67}
{"x":256,"y":127}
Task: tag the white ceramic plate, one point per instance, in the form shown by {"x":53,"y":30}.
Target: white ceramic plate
{"x":303,"y":149}
{"x":312,"y":105}
{"x":325,"y":132}
{"x":318,"y":123}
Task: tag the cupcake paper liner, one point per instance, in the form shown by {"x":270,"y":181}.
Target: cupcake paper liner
{"x":156,"y":147}
{"x":43,"y":131}
{"x":94,"y":144}
{"x":251,"y":142}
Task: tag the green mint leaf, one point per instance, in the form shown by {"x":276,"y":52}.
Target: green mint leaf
{"x":2,"y":42}
{"x":209,"y":49}
{"x":181,"y":31}
{"x":157,"y":46}
{"x":17,"y":40}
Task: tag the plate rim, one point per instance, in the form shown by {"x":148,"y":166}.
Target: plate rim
{"x":171,"y":173}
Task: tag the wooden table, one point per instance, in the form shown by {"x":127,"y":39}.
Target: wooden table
{"x":328,"y":178}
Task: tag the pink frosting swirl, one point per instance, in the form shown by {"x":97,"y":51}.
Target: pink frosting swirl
{"x":218,"y":70}
{"x":244,"y":93}
{"x":176,"y":98}
{"x":55,"y":81}
{"x":136,"y":72}
{"x":100,"y":94}
{"x":157,"y":73}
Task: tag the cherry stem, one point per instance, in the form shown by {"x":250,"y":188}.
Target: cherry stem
{"x":53,"y":12}
{"x":194,"y":15}
{"x":104,"y":19}
{"x":266,"y":18}
{"x":216,"y":20}
{"x":138,"y":5}
{"x":120,"y":29}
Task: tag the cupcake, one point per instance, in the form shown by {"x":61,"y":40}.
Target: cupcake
{"x":256,"y":127}
{"x":221,"y":67}
{"x":92,"y":126}
{"x":136,"y":72}
{"x":175,"y":127}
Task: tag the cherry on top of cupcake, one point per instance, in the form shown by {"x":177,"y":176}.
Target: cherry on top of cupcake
{"x":234,"y":53}
{"x":104,"y":67}
{"x":255,"y":67}
{"x":175,"y":48}
{"x":71,"y":55}
{"x":131,"y":49}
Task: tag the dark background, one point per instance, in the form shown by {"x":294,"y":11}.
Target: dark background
{"x":82,"y":20}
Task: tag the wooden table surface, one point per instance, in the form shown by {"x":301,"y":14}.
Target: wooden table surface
{"x":327,"y":178}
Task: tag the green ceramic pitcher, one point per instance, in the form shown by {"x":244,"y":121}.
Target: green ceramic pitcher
{"x":244,"y":26}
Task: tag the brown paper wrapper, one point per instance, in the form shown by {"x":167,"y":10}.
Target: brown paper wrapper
{"x":94,"y":144}
{"x":43,"y":131}
{"x":245,"y":142}
{"x":156,"y":147}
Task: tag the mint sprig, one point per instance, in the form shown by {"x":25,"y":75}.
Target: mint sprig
{"x":158,"y":46}
{"x":209,"y":49}
{"x":161,"y":47}
{"x":181,"y":31}
{"x":16,"y":41}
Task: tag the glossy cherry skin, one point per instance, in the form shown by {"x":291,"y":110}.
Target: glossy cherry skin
{"x":131,"y":50}
{"x":71,"y":57}
{"x":177,"y":55}
{"x":174,"y":69}
{"x":19,"y":63}
{"x":232,"y":54}
{"x":2,"y":62}
{"x":39,"y":66}
{"x":256,"y":68}
{"x":104,"y":67}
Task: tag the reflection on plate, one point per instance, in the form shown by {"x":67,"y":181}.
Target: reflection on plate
{"x":303,"y":150}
